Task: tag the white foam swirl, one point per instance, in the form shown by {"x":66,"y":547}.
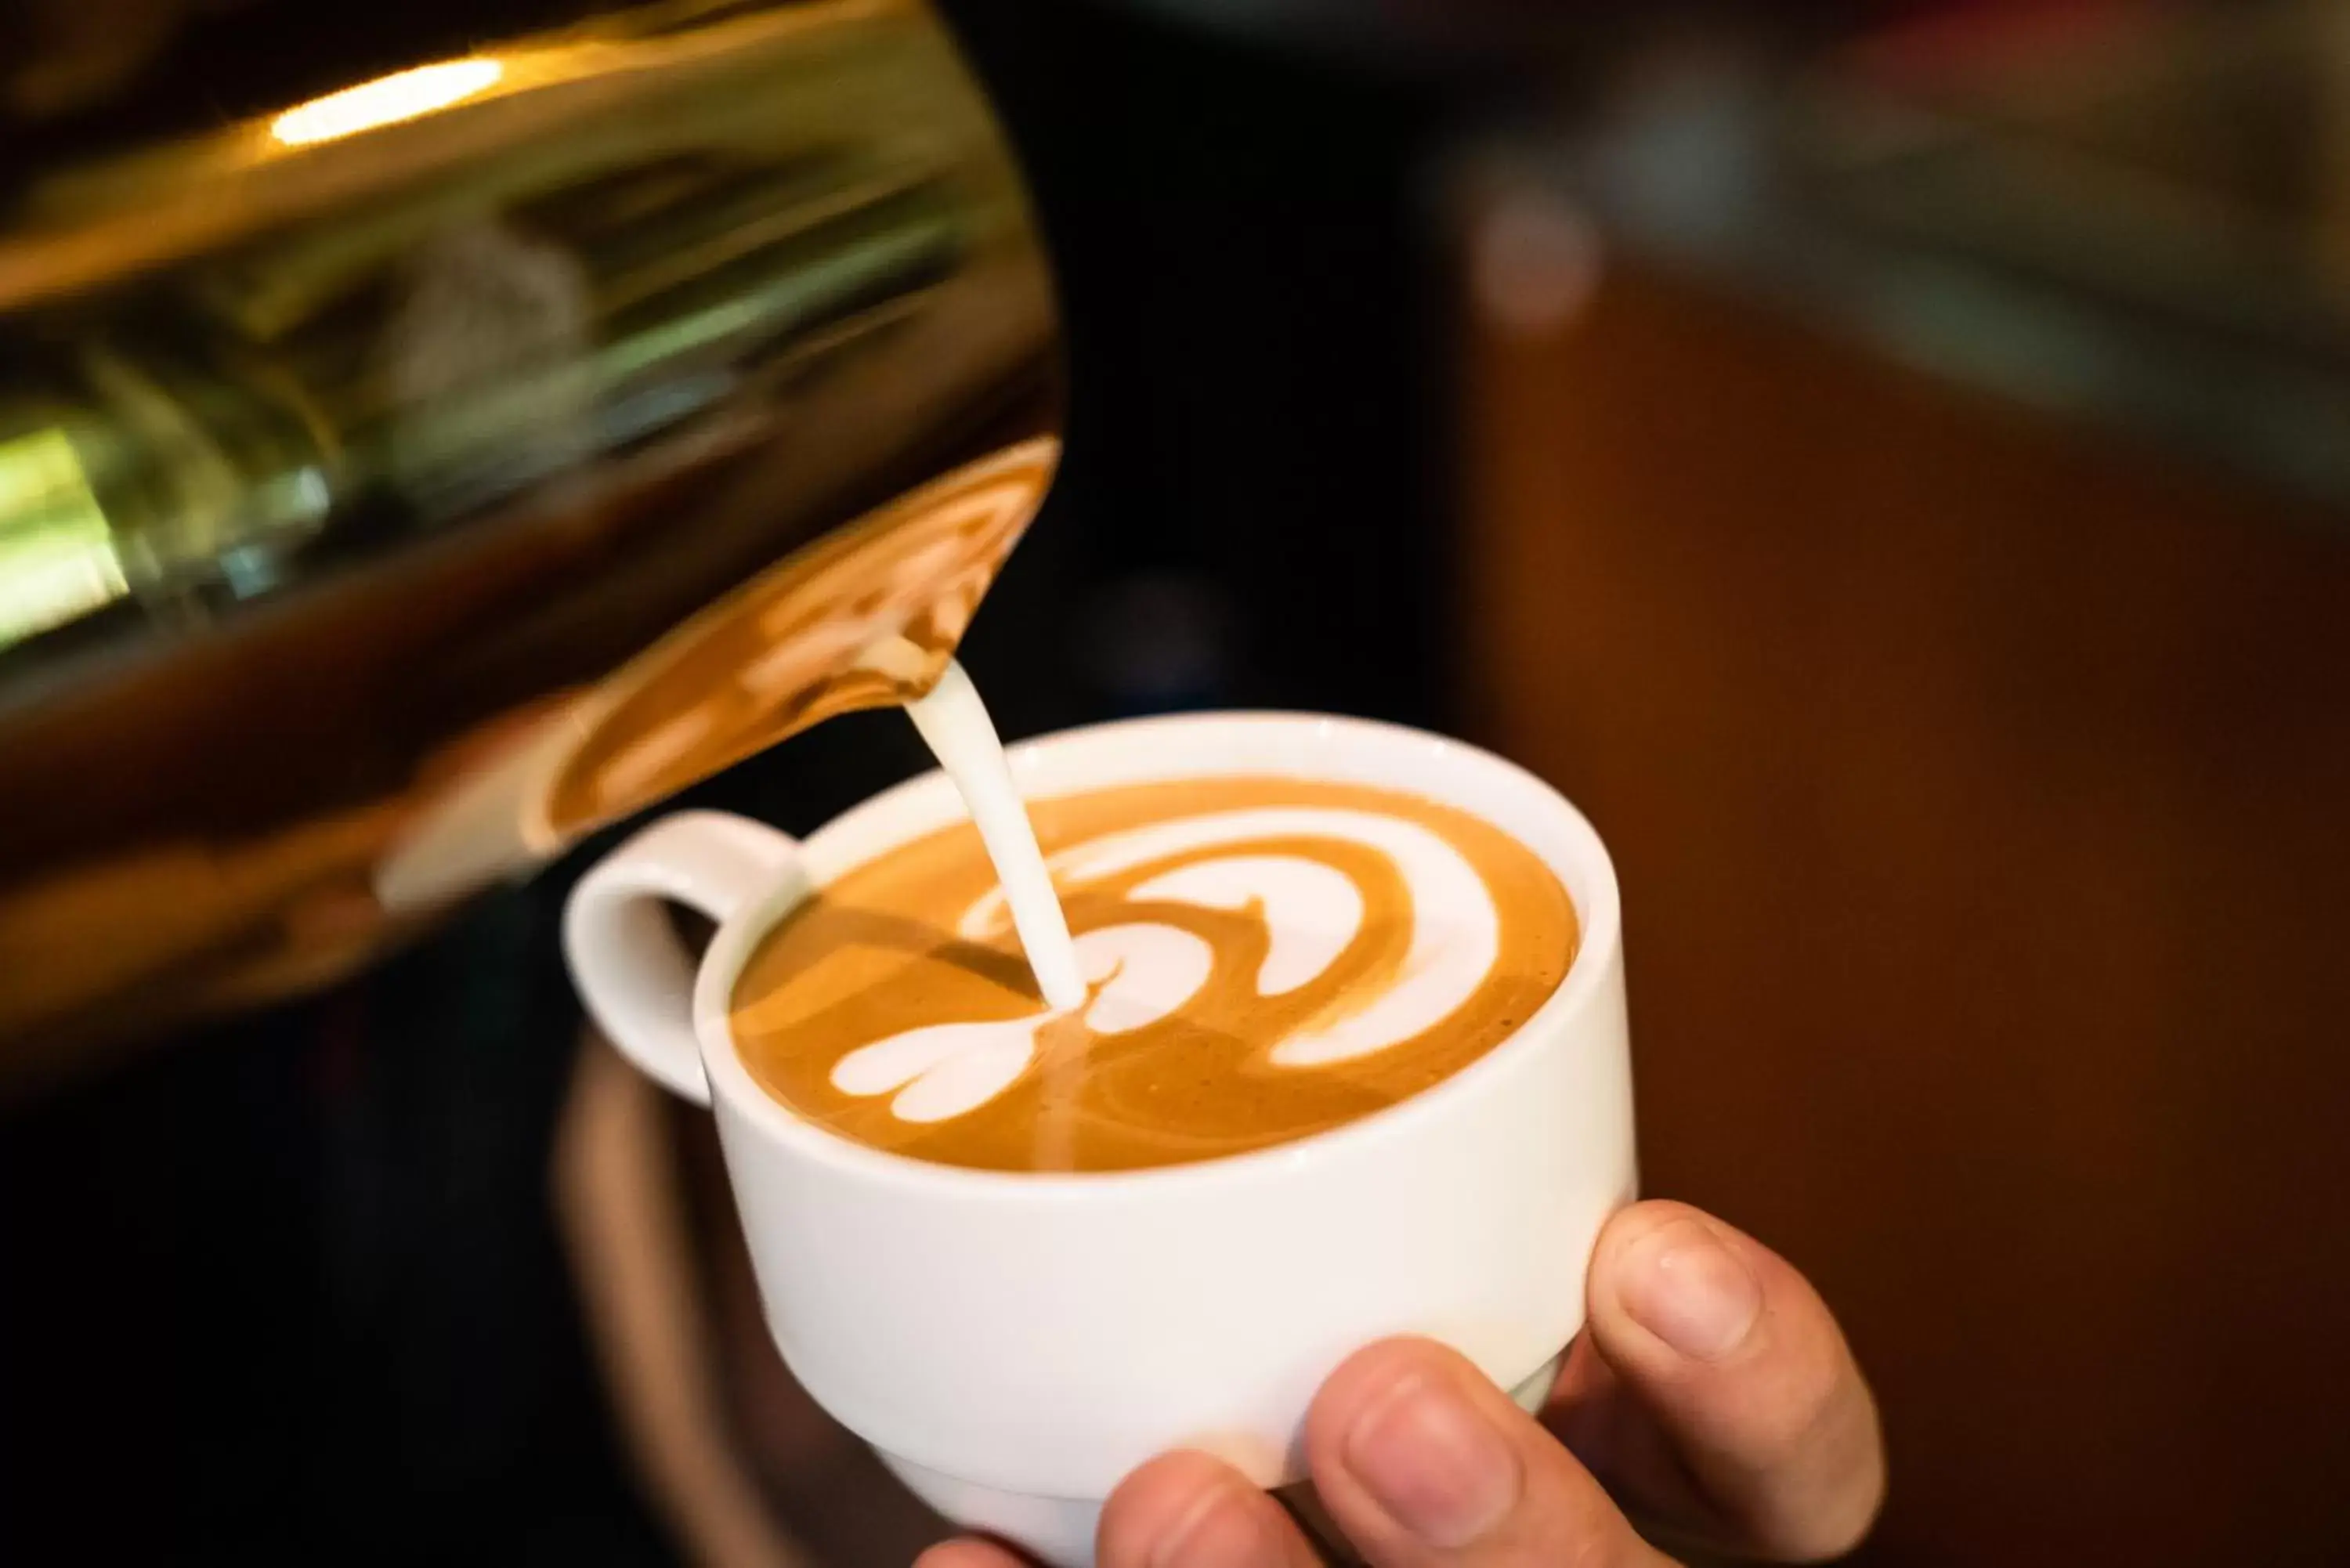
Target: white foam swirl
{"x":941,"y":1071}
{"x":1142,"y":971}
{"x":1312,"y":910}
{"x":1139,"y":974}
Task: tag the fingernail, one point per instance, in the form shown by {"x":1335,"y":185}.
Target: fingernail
{"x":1434,"y":1462}
{"x":1217,"y":1529}
{"x":1681,"y":1284}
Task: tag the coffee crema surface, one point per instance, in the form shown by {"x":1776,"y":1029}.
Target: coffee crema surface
{"x":1266,"y":958}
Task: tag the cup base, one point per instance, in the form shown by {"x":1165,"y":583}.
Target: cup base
{"x":1059,"y":1530}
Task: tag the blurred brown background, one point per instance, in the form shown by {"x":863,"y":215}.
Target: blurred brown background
{"x":1902,"y":549}
{"x":1978,"y":794}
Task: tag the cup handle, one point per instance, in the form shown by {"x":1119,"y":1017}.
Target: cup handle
{"x":634,"y":975}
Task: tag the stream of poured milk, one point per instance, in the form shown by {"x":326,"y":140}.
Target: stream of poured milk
{"x":1147,"y":970}
{"x":955,"y":725}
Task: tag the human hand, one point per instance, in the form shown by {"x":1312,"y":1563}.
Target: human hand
{"x":1711,"y":1398}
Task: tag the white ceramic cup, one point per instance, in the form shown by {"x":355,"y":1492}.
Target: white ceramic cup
{"x":1014,"y":1344}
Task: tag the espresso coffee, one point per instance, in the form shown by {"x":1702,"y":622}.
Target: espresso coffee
{"x":1266,"y":958}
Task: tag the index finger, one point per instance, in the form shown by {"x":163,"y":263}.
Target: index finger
{"x":1740,"y":1366}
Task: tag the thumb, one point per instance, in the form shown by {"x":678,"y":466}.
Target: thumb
{"x":1423,"y":1463}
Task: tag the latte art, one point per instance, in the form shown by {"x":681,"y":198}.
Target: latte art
{"x":1311,"y":912}
{"x":1139,"y":975}
{"x":1263,"y":958}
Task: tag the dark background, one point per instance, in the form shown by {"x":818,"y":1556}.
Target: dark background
{"x":329,"y":1322}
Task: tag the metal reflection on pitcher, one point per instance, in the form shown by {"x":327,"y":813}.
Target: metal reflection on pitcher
{"x":358,"y":457}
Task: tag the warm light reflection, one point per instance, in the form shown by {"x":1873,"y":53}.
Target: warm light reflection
{"x":57,"y":560}
{"x":403,"y":95}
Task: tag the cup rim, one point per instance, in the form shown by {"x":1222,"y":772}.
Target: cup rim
{"x":1599,"y":936}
